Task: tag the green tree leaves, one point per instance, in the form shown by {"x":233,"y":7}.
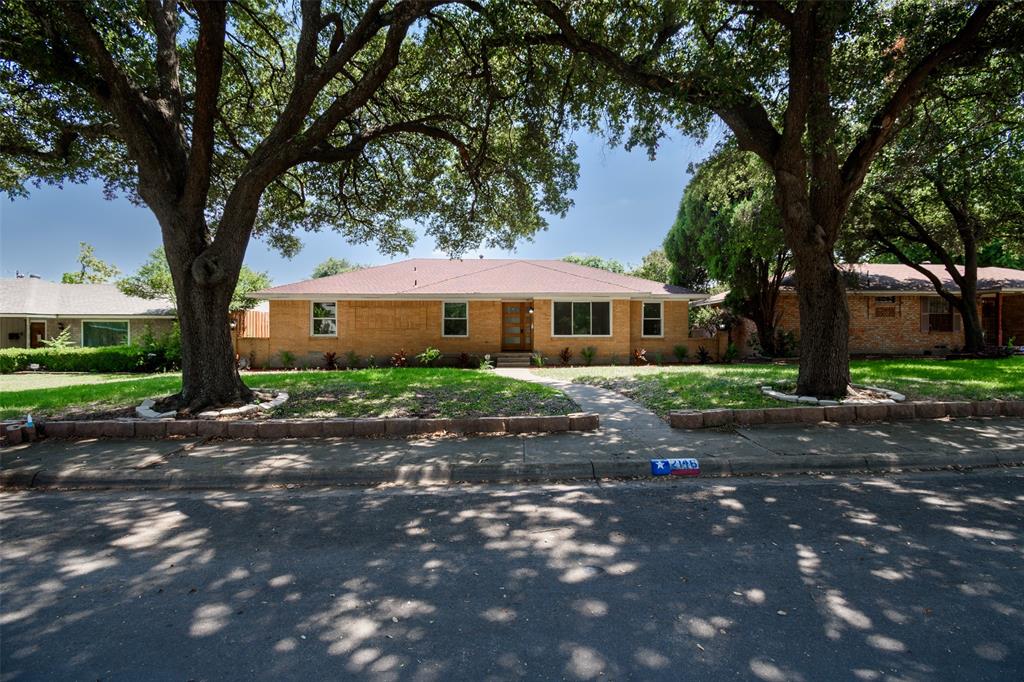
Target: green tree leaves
{"x":91,"y":269}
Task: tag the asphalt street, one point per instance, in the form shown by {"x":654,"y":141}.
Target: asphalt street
{"x":916,"y":577}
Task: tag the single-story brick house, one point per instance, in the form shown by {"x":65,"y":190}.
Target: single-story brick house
{"x":894,"y":309}
{"x":473,"y":306}
{"x":34,"y":309}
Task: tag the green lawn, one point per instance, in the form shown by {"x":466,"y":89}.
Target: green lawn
{"x":362,"y":393}
{"x":663,"y":389}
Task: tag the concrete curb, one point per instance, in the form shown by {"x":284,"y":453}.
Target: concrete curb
{"x":305,"y":428}
{"x":512,"y":472}
{"x":845,"y":414}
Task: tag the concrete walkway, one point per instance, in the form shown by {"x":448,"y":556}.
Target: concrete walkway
{"x":608,"y":453}
{"x":618,"y":413}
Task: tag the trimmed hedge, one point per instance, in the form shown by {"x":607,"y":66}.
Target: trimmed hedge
{"x":104,"y":359}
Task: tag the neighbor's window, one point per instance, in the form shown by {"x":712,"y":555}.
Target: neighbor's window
{"x":937,"y":315}
{"x":105,"y":333}
{"x":456,"y":319}
{"x":325,"y":318}
{"x":652,"y":319}
{"x":582,"y":318}
{"x":885,"y":306}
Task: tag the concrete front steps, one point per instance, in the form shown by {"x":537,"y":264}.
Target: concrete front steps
{"x":514,"y":359}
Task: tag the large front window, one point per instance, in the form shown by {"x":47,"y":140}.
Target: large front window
{"x":104,"y":333}
{"x":325,"y":318}
{"x":582,"y":318}
{"x":456,"y":319}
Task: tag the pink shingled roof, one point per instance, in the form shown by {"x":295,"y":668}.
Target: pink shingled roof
{"x":882,"y":277}
{"x":440,"y":277}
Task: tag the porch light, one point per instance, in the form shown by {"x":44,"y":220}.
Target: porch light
{"x":530,"y":310}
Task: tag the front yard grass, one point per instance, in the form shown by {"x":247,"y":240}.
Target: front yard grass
{"x":420,"y":392}
{"x":666,"y":388}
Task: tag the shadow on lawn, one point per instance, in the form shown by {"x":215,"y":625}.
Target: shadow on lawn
{"x":506,"y":583}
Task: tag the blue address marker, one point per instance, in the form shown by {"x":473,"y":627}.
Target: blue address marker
{"x":675,"y":467}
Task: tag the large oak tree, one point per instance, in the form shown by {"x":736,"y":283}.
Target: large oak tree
{"x":255,"y":117}
{"x":815,"y":89}
{"x":952,"y":184}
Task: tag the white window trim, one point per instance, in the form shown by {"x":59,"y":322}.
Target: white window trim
{"x":661,"y":319}
{"x":81,"y":331}
{"x":311,"y":319}
{"x":443,"y":318}
{"x":611,"y":314}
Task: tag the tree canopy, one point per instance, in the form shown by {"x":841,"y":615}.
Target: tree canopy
{"x":91,"y":270}
{"x":334,"y":266}
{"x":950,"y":189}
{"x":814,"y":89}
{"x":241,"y":119}
{"x":728,"y":230}
{"x":609,"y":264}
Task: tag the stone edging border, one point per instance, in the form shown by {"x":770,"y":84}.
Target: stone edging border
{"x":891,"y":397}
{"x":861,"y":412}
{"x":146,"y":411}
{"x":309,"y":428}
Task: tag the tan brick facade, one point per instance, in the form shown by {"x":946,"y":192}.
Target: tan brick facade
{"x":382,"y":327}
{"x":896,"y":330}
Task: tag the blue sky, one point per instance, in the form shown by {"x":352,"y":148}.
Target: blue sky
{"x":624,"y":205}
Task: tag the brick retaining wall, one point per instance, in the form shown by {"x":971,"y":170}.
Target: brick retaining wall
{"x":307,"y":428}
{"x":846,"y":413}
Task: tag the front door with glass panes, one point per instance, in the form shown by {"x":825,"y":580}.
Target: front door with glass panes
{"x":516,"y":326}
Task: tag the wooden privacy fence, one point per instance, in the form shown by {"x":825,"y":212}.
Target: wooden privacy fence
{"x":251,"y":324}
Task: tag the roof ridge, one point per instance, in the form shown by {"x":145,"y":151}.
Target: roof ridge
{"x":342,"y":274}
{"x":465,"y":274}
{"x":597,"y":279}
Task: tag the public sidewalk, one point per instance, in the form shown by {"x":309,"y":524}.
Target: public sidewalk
{"x":614,"y":451}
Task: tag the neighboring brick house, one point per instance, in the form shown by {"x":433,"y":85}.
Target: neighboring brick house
{"x":894,"y":310}
{"x":34,"y":309}
{"x":474,"y":306}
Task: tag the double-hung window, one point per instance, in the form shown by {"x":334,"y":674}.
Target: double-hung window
{"x":652,"y":322}
{"x":937,"y":315}
{"x":582,"y":318}
{"x":455,"y":319}
{"x":324,"y":318}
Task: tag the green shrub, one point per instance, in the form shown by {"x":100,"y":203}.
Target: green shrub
{"x":681,"y":352}
{"x":287,"y":359}
{"x":588,"y":354}
{"x":104,"y":359}
{"x":429,"y":357}
{"x":62,"y":340}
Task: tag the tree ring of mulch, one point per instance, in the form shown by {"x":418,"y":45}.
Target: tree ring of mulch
{"x":264,"y":399}
{"x":857,"y":395}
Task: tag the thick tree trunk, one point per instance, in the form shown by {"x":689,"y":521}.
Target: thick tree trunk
{"x":974,"y":334}
{"x":824,"y":325}
{"x":766,"y":336}
{"x":209,"y":374}
{"x":204,"y":281}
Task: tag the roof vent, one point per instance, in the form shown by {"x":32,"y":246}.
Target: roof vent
{"x":481,"y":256}
{"x":34,"y":277}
